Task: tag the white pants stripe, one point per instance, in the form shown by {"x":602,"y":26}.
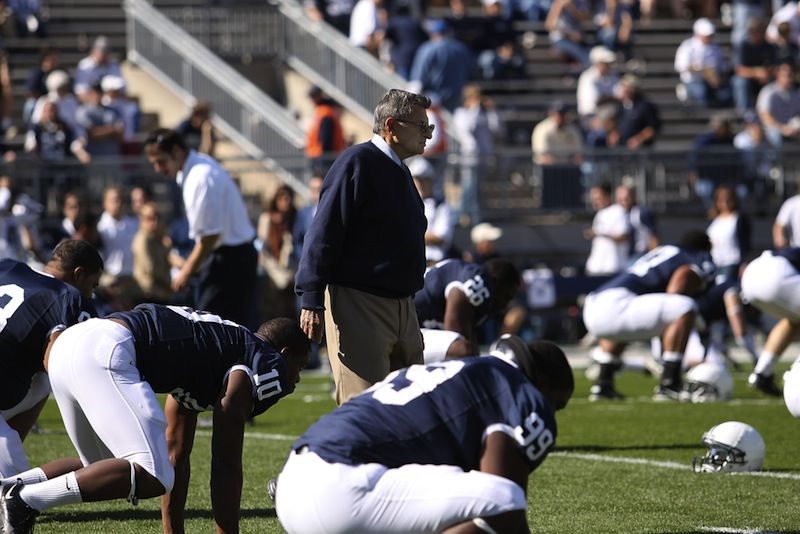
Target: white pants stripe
{"x":108,"y":411}
{"x":371,"y":498}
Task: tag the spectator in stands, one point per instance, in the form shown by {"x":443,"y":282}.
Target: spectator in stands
{"x":476,"y":124}
{"x":275,"y":226}
{"x":6,"y":94}
{"x":94,"y":67}
{"x":614,"y":23}
{"x":324,"y":137}
{"x":128,"y":110}
{"x":597,"y":83}
{"x":58,"y":90}
{"x":745,"y":12}
{"x":789,"y":14}
{"x":601,"y":130}
{"x":335,"y":12}
{"x":86,"y":229}
{"x":436,"y":148}
{"x":103,"y":125}
{"x":711,"y":159}
{"x":566,"y":36}
{"x":787,"y":49}
{"x":53,"y":141}
{"x":405,"y":34}
{"x":644,"y":232}
{"x":116,"y":229}
{"x":484,"y":238}
{"x":140,"y":195}
{"x":786,"y":229}
{"x":701,"y":65}
{"x":441,"y":66}
{"x":35,"y":86}
{"x":302,"y":221}
{"x":778,"y":106}
{"x":72,"y":207}
{"x":756,"y":154}
{"x":754,"y":66}
{"x":197,"y":129}
{"x":610,"y":234}
{"x":730,"y":233}
{"x":639,"y":120}
{"x":554,"y":140}
{"x":153,"y":257}
{"x":439,"y":234}
{"x":28,"y":17}
{"x":498,"y":57}
{"x":367,"y":23}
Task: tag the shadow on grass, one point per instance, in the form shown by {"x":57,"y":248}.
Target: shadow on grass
{"x":748,"y":531}
{"x":138,"y":514}
{"x":605,"y":448}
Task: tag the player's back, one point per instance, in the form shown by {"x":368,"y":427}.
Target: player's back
{"x":470,"y":278}
{"x":32,"y":306}
{"x":652,"y":272}
{"x":188,"y":353}
{"x":436,"y":414}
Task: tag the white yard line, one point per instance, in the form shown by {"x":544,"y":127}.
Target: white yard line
{"x":729,"y":530}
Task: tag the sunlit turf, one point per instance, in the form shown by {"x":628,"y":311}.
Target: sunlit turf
{"x":572,"y":493}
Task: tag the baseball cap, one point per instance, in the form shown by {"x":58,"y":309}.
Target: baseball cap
{"x":485,"y":232}
{"x":56,"y":80}
{"x":112,"y":82}
{"x":557,"y":106}
{"x":703,"y":27}
{"x":601,"y":54}
{"x":101,"y":43}
{"x":436,"y":26}
{"x":420,"y":168}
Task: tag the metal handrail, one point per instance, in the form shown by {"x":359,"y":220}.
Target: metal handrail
{"x":243,"y":112}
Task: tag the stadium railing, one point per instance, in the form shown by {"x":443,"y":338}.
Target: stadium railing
{"x":254,"y":121}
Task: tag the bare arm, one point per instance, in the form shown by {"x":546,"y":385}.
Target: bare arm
{"x":779,"y":236}
{"x":202,"y":250}
{"x":685,"y":281}
{"x":459,"y":316}
{"x":230,"y":416}
{"x":181,"y":424}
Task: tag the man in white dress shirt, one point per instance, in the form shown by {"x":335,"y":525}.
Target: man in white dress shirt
{"x":610,"y":234}
{"x":223,"y":254}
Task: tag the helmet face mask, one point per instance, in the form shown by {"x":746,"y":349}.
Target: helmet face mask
{"x":733,"y":447}
{"x":708,"y":382}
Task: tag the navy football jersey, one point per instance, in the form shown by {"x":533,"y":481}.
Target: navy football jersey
{"x":189,"y":353}
{"x":651,"y":273}
{"x":32,"y":306}
{"x":791,"y":254}
{"x":470,"y":278}
{"x":437,"y":414}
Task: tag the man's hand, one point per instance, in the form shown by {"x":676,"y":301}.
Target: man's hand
{"x":311,"y":324}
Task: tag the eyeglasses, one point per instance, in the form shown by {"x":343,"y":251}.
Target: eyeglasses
{"x":424,"y":128}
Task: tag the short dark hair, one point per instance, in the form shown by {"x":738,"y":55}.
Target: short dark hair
{"x":551,"y":365}
{"x":696,"y":240}
{"x":397,"y":103}
{"x":605,"y":187}
{"x":73,"y":253}
{"x":165,"y":140}
{"x":284,"y":332}
{"x":503,"y":272}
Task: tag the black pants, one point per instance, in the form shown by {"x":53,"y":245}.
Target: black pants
{"x":227,"y":283}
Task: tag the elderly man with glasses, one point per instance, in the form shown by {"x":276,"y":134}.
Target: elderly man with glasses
{"x":364,"y":255}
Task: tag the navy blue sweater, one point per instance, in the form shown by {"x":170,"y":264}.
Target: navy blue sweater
{"x":368,"y":233}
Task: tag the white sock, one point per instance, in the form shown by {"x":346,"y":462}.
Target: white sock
{"x":51,"y":493}
{"x":766,"y":364}
{"x":31,"y":476}
{"x":672,"y":356}
{"x":602,"y":357}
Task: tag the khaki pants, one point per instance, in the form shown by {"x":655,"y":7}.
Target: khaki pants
{"x":368,"y":337}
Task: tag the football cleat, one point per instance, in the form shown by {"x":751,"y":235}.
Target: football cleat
{"x":664,"y":393}
{"x":17,"y":516}
{"x":600,"y":392}
{"x":765,"y":384}
{"x":272,"y":488}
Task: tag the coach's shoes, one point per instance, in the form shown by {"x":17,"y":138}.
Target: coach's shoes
{"x":668,"y":393}
{"x":601,"y":392}
{"x":272,"y":488}
{"x":765,"y":384}
{"x":17,"y":516}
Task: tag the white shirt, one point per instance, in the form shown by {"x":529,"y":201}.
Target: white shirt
{"x":693,"y":56}
{"x":438,"y":216}
{"x":789,"y":217}
{"x":117,"y":236}
{"x":608,"y":256}
{"x":363,"y":22}
{"x":724,"y":248}
{"x":592,"y":87}
{"x":213,"y":203}
{"x":476,"y":128}
{"x":787,"y":13}
{"x":384,"y":147}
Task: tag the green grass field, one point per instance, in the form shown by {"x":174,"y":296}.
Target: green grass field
{"x":619,"y":468}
